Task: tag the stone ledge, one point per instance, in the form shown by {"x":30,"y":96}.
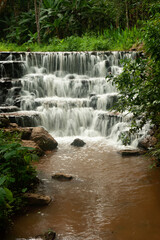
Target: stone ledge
{"x":134,"y":152}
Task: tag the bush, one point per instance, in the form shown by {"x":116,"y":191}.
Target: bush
{"x":152,"y":37}
{"x":111,"y":39}
{"x":139,"y":85}
{"x":17,"y":175}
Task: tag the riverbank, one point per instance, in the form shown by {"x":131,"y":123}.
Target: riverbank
{"x":19,"y":148}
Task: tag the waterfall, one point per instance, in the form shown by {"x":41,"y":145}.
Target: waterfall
{"x":70,"y":93}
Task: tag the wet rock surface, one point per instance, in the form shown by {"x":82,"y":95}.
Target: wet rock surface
{"x":147,"y":142}
{"x":13,"y":69}
{"x":49,"y":235}
{"x":34,"y":199}
{"x":129,"y":152}
{"x":43,"y":139}
{"x":62,"y":177}
{"x":37,"y":138}
{"x":78,"y":143}
{"x":32,"y":144}
{"x":23,"y":119}
{"x":24,"y":132}
{"x":5,"y":109}
{"x":4,"y":121}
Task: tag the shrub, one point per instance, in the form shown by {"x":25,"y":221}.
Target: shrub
{"x":17,"y":175}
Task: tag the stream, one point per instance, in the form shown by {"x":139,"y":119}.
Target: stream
{"x":110,"y":197}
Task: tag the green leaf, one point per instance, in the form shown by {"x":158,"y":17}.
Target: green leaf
{"x":2,"y":180}
{"x":9,"y":194}
{"x":10,"y":155}
{"x":2,"y":196}
{"x":24,"y":190}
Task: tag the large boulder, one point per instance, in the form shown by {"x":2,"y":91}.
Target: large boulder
{"x":147,"y":142}
{"x":78,"y":143}
{"x":25,"y":132}
{"x":34,"y":199}
{"x":32,"y":144}
{"x":43,"y":139}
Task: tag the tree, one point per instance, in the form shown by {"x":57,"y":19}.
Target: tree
{"x":127,"y":17}
{"x":37,"y":17}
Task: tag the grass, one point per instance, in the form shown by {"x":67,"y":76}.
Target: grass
{"x":111,"y":39}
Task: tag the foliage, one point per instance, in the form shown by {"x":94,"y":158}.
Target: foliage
{"x":64,"y":18}
{"x":111,"y":39}
{"x":125,"y":138}
{"x":6,"y":199}
{"x":139,"y":91}
{"x":152,"y":36}
{"x":16,"y":174}
{"x":139,"y":85}
{"x":21,"y":28}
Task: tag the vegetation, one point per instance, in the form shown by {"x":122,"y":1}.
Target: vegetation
{"x":139,"y":84}
{"x":111,"y":39}
{"x":61,"y":22}
{"x":16,"y":175}
{"x":81,"y":25}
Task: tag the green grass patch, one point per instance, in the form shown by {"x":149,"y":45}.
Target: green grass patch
{"x":111,"y":39}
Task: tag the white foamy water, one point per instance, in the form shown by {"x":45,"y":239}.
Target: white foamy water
{"x":71,"y":95}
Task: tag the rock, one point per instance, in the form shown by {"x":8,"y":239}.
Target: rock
{"x":147,"y":142}
{"x":13,"y":125}
{"x":12,"y":69}
{"x":92,"y":94}
{"x":32,"y":144}
{"x":62,"y":177}
{"x":43,"y":139}
{"x":78,"y":143}
{"x":5,"y":85}
{"x":139,"y":47}
{"x":37,"y":199}
{"x":23,"y":119}
{"x":5,"y":109}
{"x":49,"y":235}
{"x":93,"y":101}
{"x":129,"y":152}
{"x":25,"y":132}
{"x":4,"y":122}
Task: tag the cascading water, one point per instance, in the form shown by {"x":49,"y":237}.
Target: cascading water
{"x":70,"y":93}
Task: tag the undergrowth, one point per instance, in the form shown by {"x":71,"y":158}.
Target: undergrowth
{"x":17,"y":175}
{"x":110,"y":39}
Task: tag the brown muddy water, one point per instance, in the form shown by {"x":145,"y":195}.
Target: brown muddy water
{"x":110,"y":198}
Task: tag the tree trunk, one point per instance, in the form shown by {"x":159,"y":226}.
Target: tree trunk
{"x":37,"y":16}
{"x":117,"y":21}
{"x":127,"y":16}
{"x":2,"y":4}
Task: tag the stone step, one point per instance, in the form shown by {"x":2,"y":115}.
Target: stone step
{"x":9,"y":87}
{"x":23,"y":118}
{"x":6,"y":56}
{"x":104,"y":102}
{"x":7,"y":109}
{"x":12,"y":69}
